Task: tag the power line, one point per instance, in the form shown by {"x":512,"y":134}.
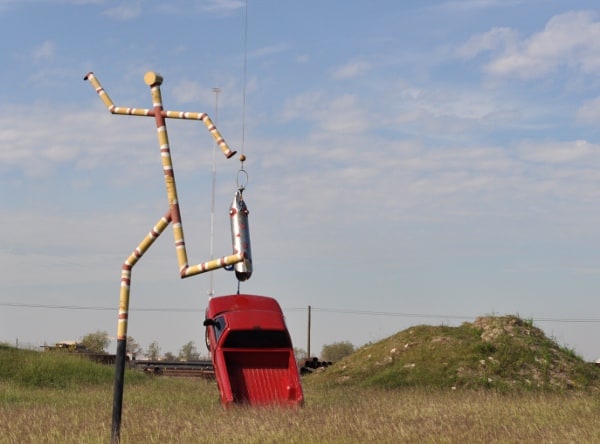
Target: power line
{"x":439,"y":316}
{"x":290,"y":309}
{"x":94,"y":308}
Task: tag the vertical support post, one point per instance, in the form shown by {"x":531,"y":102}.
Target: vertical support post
{"x":308,"y":339}
{"x":121,"y":356}
{"x":115,"y":437}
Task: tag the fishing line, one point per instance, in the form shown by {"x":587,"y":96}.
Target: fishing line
{"x":244,"y":81}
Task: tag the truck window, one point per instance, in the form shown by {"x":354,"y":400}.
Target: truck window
{"x":257,"y":338}
{"x":219,"y":327}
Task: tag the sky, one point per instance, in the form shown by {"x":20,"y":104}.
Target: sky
{"x":414,"y":162}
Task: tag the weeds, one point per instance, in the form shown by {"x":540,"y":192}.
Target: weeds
{"x":501,"y":353}
{"x":53,"y":369}
{"x":170,"y":410}
{"x":498,"y":380}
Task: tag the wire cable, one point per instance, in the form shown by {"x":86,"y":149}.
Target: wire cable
{"x":292,"y":309}
{"x":244,"y":81}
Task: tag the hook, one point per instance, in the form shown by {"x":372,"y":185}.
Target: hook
{"x":242,"y":175}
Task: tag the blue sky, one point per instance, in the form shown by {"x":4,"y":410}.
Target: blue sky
{"x":415,"y":162}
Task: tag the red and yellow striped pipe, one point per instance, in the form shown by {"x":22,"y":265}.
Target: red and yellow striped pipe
{"x":126,"y":271}
{"x":144,"y":112}
{"x":154,"y":81}
{"x":173,"y":215}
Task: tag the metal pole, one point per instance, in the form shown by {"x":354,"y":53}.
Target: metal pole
{"x":115,"y":437}
{"x":216,"y":90}
{"x":121,"y":356}
{"x":308,"y":339}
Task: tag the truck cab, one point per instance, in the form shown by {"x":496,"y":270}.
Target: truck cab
{"x":252,"y":351}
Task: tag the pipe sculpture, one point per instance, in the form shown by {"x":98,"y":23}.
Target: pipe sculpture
{"x":173,"y":215}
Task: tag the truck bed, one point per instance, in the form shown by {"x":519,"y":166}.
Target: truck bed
{"x":262,"y":377}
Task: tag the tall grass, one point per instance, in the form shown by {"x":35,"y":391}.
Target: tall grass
{"x":187,"y":411}
{"x":54,"y":398}
{"x":52,"y":369}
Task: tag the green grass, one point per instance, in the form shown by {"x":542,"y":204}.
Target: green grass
{"x":30,"y":368}
{"x":374,"y":395}
{"x":502,"y":353}
{"x":169,"y":410}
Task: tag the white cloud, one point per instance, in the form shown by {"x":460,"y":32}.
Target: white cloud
{"x":43,"y":52}
{"x":343,"y":114}
{"x":465,"y":5}
{"x":198,"y":96}
{"x":589,"y":112}
{"x":441,"y":112}
{"x":351,"y":69}
{"x":124,"y":11}
{"x":38,"y":143}
{"x":556,"y":152}
{"x":570,"y":40}
{"x":187,"y":91}
{"x":83,"y":2}
{"x":222,"y":6}
{"x":494,"y":39}
{"x":5,"y":4}
{"x":269,"y":50}
{"x":298,"y":106}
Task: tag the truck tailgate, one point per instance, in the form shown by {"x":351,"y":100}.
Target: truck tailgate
{"x":263,"y":377}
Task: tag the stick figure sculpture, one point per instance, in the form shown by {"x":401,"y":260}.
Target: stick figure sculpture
{"x":173,"y":215}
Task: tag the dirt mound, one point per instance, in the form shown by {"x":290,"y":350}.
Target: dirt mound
{"x":504,"y":352}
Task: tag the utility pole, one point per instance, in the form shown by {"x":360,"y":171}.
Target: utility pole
{"x":308,"y":339}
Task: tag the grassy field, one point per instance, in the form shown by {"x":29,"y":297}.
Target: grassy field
{"x":187,"y":411}
{"x":48,"y":398}
{"x":498,"y":380}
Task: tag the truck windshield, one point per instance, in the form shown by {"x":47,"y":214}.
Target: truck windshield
{"x":257,"y":338}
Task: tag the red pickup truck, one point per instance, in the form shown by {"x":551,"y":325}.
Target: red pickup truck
{"x":252,"y":351}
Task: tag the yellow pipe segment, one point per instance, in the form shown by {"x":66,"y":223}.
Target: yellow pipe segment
{"x":212,"y":265}
{"x":99,"y":90}
{"x":154,"y":80}
{"x":135,"y":256}
{"x":157,"y":79}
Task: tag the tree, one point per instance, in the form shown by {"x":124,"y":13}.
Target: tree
{"x":189,"y":352}
{"x":132,"y":348}
{"x":336,"y":351}
{"x":168,"y":356}
{"x":96,"y":342}
{"x":300,"y":354}
{"x":153,"y":352}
